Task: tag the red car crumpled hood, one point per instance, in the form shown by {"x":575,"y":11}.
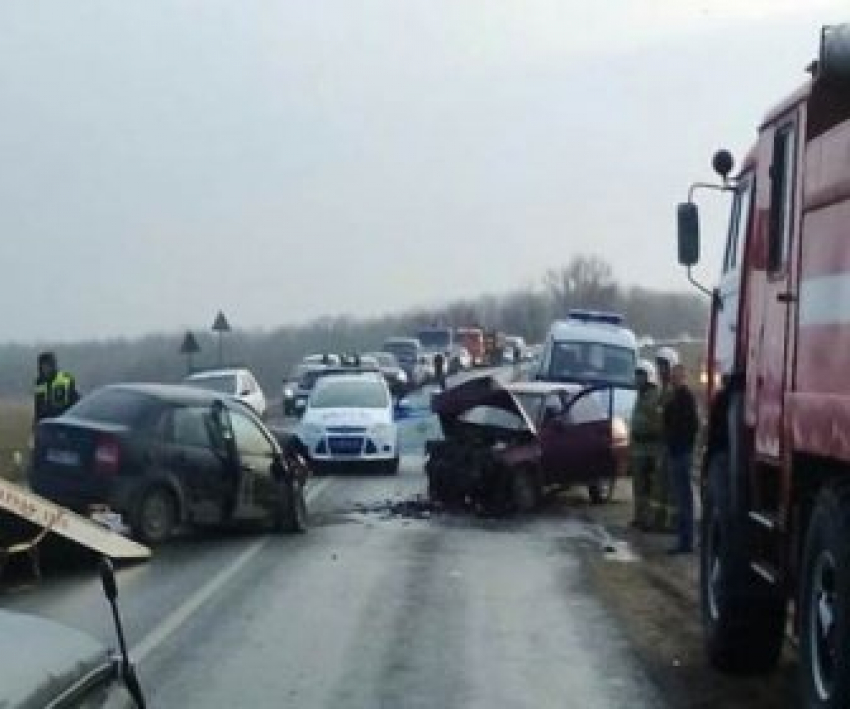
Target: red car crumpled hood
{"x":453,"y":403}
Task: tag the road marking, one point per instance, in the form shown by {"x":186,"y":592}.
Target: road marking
{"x":174,"y":620}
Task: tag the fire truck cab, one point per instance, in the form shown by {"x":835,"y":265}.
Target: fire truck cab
{"x":775,"y":528}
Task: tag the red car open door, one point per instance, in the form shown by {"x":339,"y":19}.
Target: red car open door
{"x":577,"y":445}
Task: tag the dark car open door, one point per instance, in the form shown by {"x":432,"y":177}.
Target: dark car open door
{"x":257,"y":457}
{"x":192,"y":458}
{"x":577,"y":444}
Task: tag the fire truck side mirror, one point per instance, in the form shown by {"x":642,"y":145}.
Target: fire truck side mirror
{"x":688,"y":221}
{"x":723,"y":164}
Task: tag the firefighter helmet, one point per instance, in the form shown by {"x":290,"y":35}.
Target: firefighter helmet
{"x":667,"y":355}
{"x":648,"y":369}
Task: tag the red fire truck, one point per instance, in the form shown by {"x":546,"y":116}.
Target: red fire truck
{"x":775,"y":529}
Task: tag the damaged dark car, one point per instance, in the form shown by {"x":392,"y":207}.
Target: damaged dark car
{"x":506,"y":445}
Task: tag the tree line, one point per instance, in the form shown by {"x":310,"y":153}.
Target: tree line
{"x":585,"y":282}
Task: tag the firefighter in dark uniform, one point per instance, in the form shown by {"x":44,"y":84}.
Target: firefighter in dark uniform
{"x":55,"y":390}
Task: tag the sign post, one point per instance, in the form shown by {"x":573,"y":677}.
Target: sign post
{"x":189,"y":348}
{"x":220,"y":326}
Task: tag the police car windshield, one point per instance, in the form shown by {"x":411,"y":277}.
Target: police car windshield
{"x":435,"y":338}
{"x":221,"y":383}
{"x":591,"y":362}
{"x":404,"y":351}
{"x":350,"y":394}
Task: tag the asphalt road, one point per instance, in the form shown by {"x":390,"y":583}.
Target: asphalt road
{"x":368,"y":609}
{"x":372,"y":608}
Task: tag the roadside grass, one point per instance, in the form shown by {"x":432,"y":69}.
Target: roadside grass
{"x":15,"y":429}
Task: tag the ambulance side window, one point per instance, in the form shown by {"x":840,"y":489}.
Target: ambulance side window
{"x":781,"y":198}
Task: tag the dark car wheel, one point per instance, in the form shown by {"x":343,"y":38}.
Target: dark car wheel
{"x":291,"y":514}
{"x":391,"y":467}
{"x":743,"y":618}
{"x":602,"y":491}
{"x":825,"y":603}
{"x":156,"y":516}
{"x":525,"y":491}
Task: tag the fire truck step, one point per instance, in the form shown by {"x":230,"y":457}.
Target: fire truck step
{"x":763,"y":519}
{"x":766,"y":571}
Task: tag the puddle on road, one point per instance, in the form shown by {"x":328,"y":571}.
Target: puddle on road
{"x":596,"y":536}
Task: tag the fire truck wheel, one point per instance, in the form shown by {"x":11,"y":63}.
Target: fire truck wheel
{"x":825,"y":603}
{"x":743,"y":618}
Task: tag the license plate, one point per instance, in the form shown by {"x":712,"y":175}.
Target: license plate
{"x":60,"y":457}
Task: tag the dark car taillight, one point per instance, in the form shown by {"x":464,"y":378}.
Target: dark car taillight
{"x":107,"y":455}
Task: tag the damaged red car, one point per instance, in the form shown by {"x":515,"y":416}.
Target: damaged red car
{"x":505,"y":445}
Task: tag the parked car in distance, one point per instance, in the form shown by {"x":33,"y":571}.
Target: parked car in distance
{"x":472,"y":338}
{"x":411,"y":357}
{"x":441,"y":340}
{"x":328,"y":359}
{"x":464,"y":359}
{"x":166,"y":455}
{"x":349,"y":424}
{"x":393,"y":372}
{"x":297,"y":386}
{"x":515,"y":349}
{"x":239,"y":383}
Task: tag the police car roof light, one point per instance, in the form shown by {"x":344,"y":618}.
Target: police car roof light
{"x":595,"y":316}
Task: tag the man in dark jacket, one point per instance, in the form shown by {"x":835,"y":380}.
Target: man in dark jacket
{"x":55,"y":390}
{"x":440,"y":370}
{"x":681,"y":424}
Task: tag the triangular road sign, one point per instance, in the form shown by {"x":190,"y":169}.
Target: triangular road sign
{"x":221,"y":324}
{"x":190,"y":344}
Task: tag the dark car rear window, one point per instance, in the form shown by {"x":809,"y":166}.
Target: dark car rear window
{"x":119,"y":406}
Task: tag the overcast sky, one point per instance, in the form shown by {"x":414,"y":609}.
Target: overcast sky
{"x":161,"y":159}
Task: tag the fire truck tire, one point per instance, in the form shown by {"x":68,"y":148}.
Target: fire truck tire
{"x":743,"y":618}
{"x":825,"y":603}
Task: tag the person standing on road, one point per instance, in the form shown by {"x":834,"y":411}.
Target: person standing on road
{"x":440,"y":370}
{"x":681,"y":424}
{"x":645,"y":443}
{"x":55,"y":390}
{"x":663,"y":496}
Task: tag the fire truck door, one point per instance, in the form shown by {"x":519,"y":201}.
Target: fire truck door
{"x":779,"y":295}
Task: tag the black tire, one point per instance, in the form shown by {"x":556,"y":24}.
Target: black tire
{"x":525,"y":491}
{"x":291,"y":513}
{"x":743,"y":617}
{"x":602,"y":491}
{"x":155,"y":517}
{"x":825,"y":599}
{"x":392,"y":467}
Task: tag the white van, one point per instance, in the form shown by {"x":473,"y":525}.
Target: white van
{"x":590,"y":347}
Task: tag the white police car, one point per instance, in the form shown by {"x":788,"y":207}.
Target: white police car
{"x":349,"y":424}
